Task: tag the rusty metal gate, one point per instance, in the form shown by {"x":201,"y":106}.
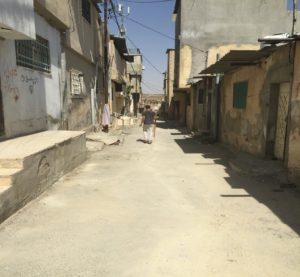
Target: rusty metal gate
{"x":281,"y":124}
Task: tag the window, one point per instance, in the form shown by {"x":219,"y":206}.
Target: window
{"x":200,"y":96}
{"x":240,"y":91}
{"x":33,"y":54}
{"x":290,"y":5}
{"x":86,"y":10}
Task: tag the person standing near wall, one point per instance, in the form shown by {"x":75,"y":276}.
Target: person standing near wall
{"x":105,"y":118}
{"x":148,"y":120}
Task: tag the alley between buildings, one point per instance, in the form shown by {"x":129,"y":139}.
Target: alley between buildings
{"x":173,"y":208}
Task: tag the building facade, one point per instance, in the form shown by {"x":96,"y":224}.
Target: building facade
{"x":135,"y":72}
{"x":50,"y":65}
{"x":202,"y":37}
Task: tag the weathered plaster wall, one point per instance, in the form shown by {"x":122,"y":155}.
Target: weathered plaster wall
{"x":55,"y":11}
{"x":294,"y":138}
{"x":246,"y":129}
{"x":30,"y":97}
{"x":181,"y":98}
{"x":51,"y":81}
{"x":79,"y":106}
{"x":185,"y":66}
{"x":118,"y":64}
{"x":170,"y":75}
{"x":204,"y":24}
{"x":17,"y":15}
{"x":82,"y":36}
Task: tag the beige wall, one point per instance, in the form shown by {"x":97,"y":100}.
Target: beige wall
{"x":294,"y":138}
{"x":117,"y":63}
{"x":170,"y":75}
{"x":185,"y":66}
{"x":83,"y":47}
{"x":246,"y":129}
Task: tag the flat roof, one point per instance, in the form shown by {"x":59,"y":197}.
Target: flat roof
{"x":237,"y":58}
{"x":120,"y":44}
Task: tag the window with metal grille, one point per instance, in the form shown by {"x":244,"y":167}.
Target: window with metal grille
{"x":34,"y":54}
{"x":86,"y":10}
{"x":240,"y":91}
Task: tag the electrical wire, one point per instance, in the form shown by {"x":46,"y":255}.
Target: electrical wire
{"x":162,"y":34}
{"x":115,"y":15}
{"x":159,"y":71}
{"x":153,"y":90}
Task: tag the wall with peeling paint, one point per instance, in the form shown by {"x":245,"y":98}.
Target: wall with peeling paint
{"x":247,"y":129}
{"x":30,"y":97}
{"x":294,"y":135}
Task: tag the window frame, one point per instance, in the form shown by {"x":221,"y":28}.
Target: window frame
{"x":34,"y":54}
{"x":240,"y":94}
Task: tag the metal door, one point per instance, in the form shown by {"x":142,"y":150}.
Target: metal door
{"x":281,"y":123}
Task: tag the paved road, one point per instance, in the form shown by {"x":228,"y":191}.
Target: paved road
{"x":172,"y":208}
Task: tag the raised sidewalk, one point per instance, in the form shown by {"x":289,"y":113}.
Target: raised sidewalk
{"x":30,"y":164}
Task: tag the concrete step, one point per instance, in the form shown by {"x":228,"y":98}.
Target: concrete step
{"x":31,"y":164}
{"x":6,"y":175}
{"x":3,"y":189}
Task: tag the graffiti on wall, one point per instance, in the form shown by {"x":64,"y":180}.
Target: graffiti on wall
{"x":30,"y":81}
{"x":10,"y":85}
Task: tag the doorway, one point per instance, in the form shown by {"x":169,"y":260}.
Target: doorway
{"x":281,"y":121}
{"x":277,"y":120}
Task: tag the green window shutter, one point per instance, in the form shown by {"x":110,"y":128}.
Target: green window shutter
{"x":240,"y":91}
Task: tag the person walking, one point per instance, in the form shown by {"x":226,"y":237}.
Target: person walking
{"x":148,"y":120}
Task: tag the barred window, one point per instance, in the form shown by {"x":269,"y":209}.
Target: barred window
{"x":33,"y":54}
{"x":86,"y":10}
{"x":240,"y":91}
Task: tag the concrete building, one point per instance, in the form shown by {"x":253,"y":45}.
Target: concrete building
{"x":50,"y":65}
{"x":82,"y":59}
{"x":135,"y":72}
{"x":206,"y":30}
{"x":29,"y":71}
{"x":169,"y":82}
{"x":260,"y":103}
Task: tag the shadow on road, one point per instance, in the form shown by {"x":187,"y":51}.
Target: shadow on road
{"x":282,"y":199}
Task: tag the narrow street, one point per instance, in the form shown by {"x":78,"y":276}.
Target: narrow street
{"x":172,"y":208}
